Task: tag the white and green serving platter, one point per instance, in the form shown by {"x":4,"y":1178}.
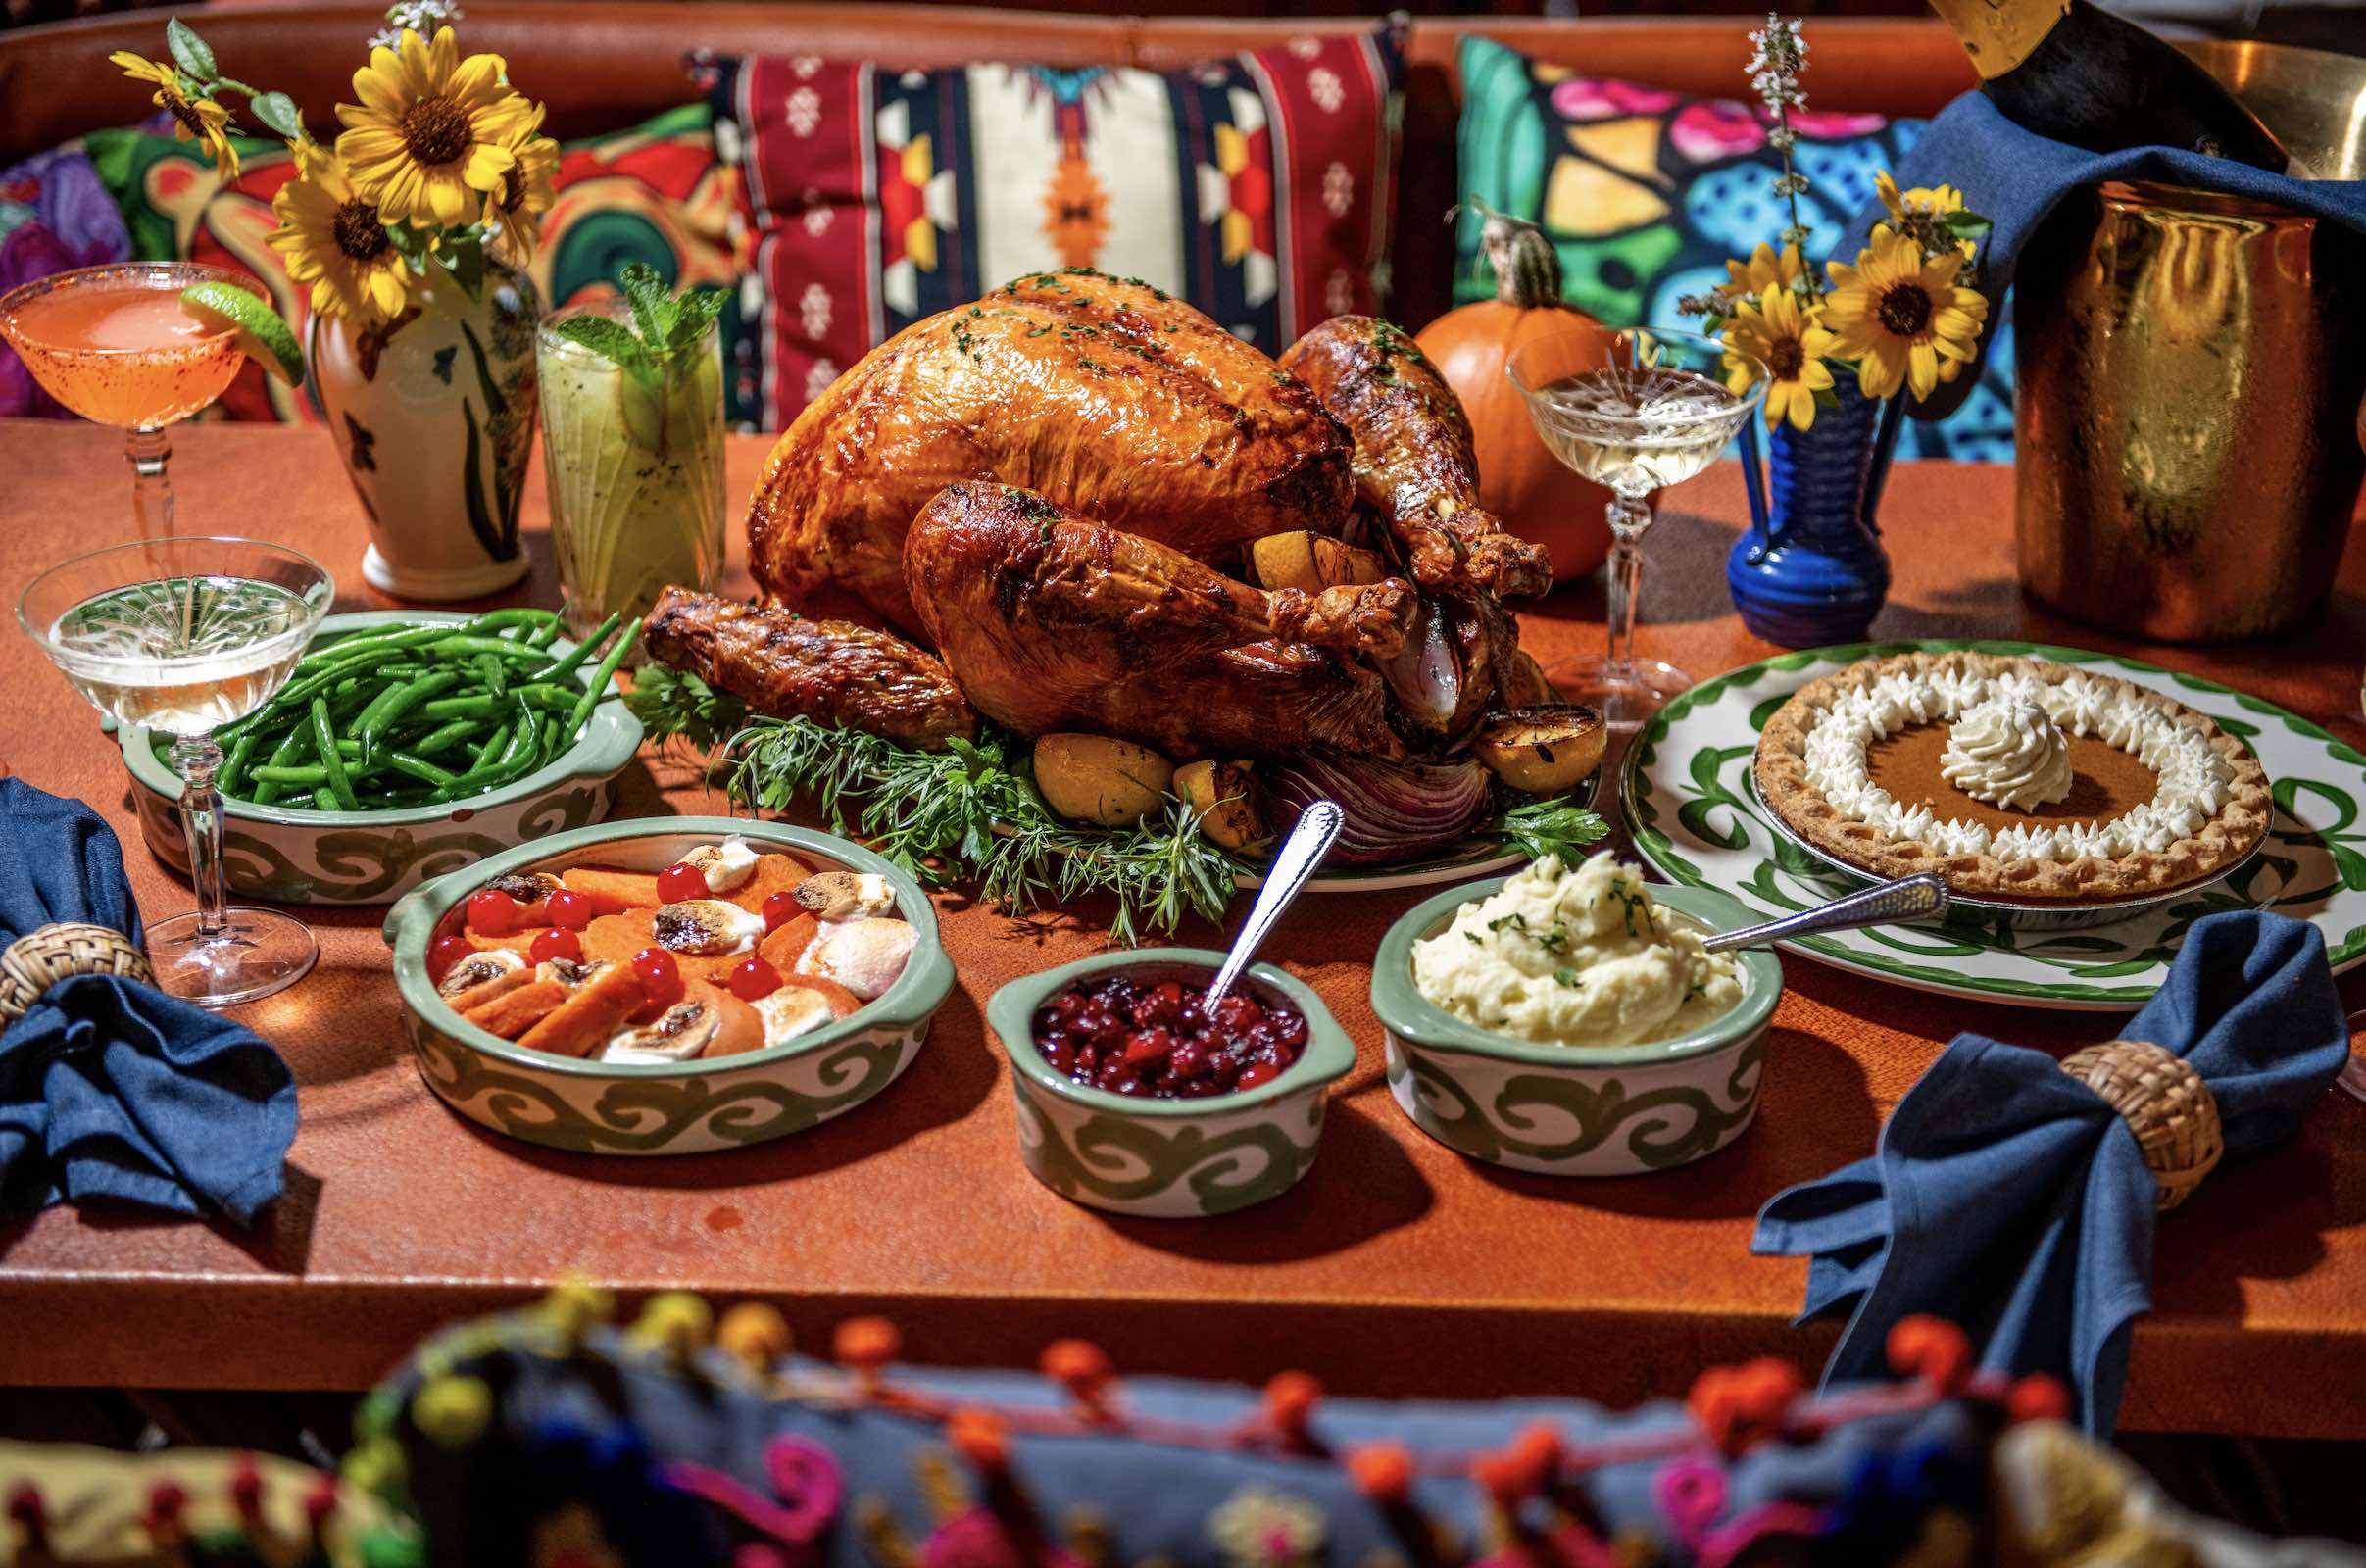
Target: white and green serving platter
{"x":1694,"y":817}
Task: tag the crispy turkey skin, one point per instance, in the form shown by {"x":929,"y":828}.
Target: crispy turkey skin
{"x":1112,"y":396}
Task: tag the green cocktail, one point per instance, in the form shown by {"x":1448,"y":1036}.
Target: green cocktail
{"x":632,"y":444}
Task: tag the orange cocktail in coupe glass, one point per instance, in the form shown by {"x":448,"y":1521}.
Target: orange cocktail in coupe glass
{"x":116,"y":344}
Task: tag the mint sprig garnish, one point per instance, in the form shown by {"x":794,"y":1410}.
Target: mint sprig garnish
{"x":665,"y":326}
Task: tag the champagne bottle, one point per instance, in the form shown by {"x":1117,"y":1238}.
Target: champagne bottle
{"x":2070,"y":71}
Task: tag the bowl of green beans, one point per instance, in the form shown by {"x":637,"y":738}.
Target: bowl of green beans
{"x":406,"y":743}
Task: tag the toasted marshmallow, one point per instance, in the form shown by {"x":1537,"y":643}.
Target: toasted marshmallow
{"x":711,"y":928}
{"x":792,"y":1010}
{"x":726,"y":867}
{"x":865,"y":957}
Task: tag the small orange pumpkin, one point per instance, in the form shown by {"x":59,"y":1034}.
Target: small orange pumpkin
{"x":1520,"y":481}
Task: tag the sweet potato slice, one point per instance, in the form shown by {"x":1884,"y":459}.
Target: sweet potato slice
{"x":843,"y":1002}
{"x":614,"y":892}
{"x":783,"y":947}
{"x":484,"y":991}
{"x":582,"y":1023}
{"x":617,"y":936}
{"x":773,"y":874}
{"x":738,"y":1030}
{"x":520,"y":941}
{"x":516,"y":1012}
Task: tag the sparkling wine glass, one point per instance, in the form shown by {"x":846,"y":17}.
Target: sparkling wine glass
{"x":1634,"y":410}
{"x":116,"y":344}
{"x":185,"y":635}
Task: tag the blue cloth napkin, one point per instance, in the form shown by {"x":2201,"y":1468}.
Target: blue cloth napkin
{"x":2015,"y":178}
{"x":2007,"y":1197}
{"x":109,"y":1088}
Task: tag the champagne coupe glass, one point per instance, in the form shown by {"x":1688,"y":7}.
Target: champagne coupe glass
{"x":116,"y":344}
{"x":185,"y":635}
{"x":1635,"y":409}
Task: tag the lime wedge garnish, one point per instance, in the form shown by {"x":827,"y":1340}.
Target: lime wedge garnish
{"x":261,"y":331}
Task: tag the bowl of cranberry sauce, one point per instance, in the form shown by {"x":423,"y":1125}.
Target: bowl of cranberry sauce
{"x":1137,"y":1098}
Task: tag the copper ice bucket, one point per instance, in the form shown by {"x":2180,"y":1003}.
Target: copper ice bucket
{"x":2189,"y":370}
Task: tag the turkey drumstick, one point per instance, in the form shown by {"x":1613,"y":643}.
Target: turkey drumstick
{"x":1414,"y":458}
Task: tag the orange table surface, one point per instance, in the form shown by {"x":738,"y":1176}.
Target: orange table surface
{"x":1396,"y":1267}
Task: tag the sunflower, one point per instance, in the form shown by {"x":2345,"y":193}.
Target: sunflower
{"x":198,"y":119}
{"x":1918,"y":210}
{"x":1747,"y":280}
{"x":527,"y":191}
{"x":335,"y":239}
{"x":1904,"y":318}
{"x":430,"y":140}
{"x":1788,"y":342}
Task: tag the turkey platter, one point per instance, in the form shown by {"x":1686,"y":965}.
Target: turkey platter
{"x":1181,"y":574}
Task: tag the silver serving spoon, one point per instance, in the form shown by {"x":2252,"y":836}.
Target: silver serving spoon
{"x":1921,"y":897}
{"x":1301,"y":852}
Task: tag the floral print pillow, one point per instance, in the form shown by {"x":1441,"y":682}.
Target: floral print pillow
{"x":55,"y":215}
{"x":1645,"y":193}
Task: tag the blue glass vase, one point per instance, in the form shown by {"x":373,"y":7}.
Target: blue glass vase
{"x":1811,"y":569}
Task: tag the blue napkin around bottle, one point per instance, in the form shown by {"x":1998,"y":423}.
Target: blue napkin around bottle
{"x":2015,"y":179}
{"x":2008,"y":1198}
{"x":109,"y":1088}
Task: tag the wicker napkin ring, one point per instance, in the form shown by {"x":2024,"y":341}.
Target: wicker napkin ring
{"x":2166,"y":1105}
{"x":35,"y":962}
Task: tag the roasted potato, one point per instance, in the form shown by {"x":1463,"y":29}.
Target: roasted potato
{"x":1312,"y":562}
{"x":1543,"y":750}
{"x":1092,"y":778}
{"x":1222,"y":796}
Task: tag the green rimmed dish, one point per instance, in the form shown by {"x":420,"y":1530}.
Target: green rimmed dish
{"x":1167,"y":1159}
{"x":1696,"y":820}
{"x":675,"y":1107}
{"x":1562,"y":1110}
{"x":285,"y":855}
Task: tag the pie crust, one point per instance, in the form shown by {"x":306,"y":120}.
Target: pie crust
{"x":2104,"y":788}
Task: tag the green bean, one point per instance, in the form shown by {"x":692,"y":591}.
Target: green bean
{"x":387,"y":709}
{"x":323,"y":801}
{"x":569,"y":662}
{"x":435,"y":740}
{"x":421,"y":769}
{"x":453,"y":647}
{"x":491,"y":749}
{"x":368,"y":715}
{"x":268,"y":773}
{"x":521,"y":615}
{"x":376,"y":642}
{"x":446,"y":708}
{"x":493,"y":673}
{"x":600,"y":679}
{"x":241,"y":752}
{"x":265,"y":794}
{"x":327,"y":736}
{"x":544,"y":636}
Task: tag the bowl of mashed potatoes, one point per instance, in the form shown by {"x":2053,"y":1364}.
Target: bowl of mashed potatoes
{"x":1565,"y":1019}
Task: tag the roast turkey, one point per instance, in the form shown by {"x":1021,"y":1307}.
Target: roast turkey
{"x":1058,"y":487}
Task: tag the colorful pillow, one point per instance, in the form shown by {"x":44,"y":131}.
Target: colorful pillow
{"x":655,"y":193}
{"x":55,"y":216}
{"x":1645,"y":193}
{"x":1256,"y":186}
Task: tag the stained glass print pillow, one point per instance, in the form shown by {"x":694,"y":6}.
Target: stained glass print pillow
{"x":1645,"y":193}
{"x":1257,"y":186}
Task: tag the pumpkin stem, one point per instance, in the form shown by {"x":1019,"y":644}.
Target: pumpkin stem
{"x":1528,"y":273}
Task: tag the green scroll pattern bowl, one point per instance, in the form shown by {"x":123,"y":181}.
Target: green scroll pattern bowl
{"x":283,"y":854}
{"x":1619,"y":1111}
{"x":1167,"y":1159}
{"x":675,"y":1107}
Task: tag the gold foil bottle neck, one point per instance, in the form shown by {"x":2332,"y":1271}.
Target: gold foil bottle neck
{"x":1999,"y":34}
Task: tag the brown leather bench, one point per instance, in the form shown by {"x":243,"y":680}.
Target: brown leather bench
{"x":603,"y":65}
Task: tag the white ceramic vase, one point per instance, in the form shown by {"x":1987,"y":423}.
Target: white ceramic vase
{"x":433,"y":414}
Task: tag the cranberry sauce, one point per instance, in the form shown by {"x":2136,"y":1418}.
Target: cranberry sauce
{"x":1151,"y":1037}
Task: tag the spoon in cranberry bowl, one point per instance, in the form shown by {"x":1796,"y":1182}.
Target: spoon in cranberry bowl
{"x":1317,"y":829}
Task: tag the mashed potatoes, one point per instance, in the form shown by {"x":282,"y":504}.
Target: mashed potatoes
{"x":1581,"y":958}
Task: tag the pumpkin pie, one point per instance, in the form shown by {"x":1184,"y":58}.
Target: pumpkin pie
{"x":2012,"y":777}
